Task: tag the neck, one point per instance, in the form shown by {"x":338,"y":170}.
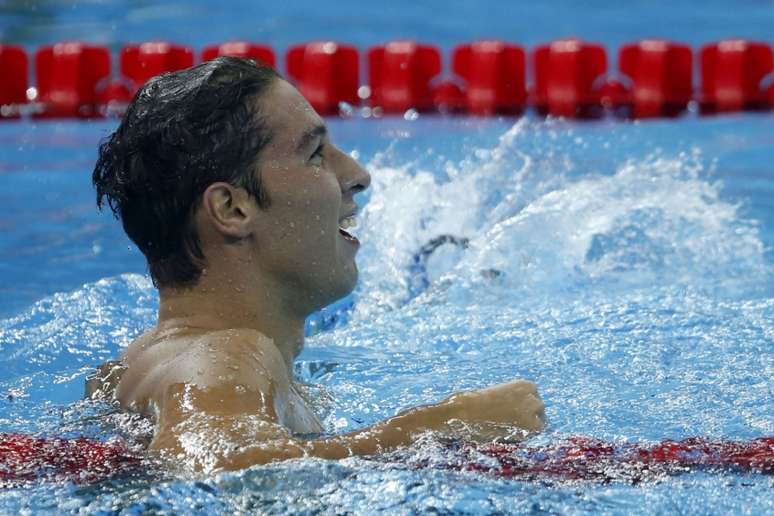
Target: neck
{"x":218,"y":303}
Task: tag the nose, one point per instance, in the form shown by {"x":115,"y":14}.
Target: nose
{"x":353,"y":177}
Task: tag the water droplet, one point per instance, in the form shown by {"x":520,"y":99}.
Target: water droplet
{"x":346,"y":110}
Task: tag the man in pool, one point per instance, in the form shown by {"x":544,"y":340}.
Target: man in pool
{"x":227,"y":181}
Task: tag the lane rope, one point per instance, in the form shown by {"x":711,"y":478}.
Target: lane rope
{"x":25,"y":459}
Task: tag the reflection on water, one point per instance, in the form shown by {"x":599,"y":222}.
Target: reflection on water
{"x":21,"y":21}
{"x":202,"y":22}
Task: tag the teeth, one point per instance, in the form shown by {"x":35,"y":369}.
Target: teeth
{"x":348,"y":222}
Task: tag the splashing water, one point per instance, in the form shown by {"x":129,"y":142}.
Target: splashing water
{"x":540,"y":230}
{"x":628,"y":288}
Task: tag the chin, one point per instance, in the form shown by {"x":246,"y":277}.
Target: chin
{"x":347,"y":285}
{"x":338,"y":288}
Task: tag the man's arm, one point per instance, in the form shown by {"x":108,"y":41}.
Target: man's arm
{"x":229,"y":420}
{"x":224,"y":428}
{"x":230,"y":428}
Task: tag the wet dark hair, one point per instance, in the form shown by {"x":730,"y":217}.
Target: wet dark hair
{"x":182,"y":132}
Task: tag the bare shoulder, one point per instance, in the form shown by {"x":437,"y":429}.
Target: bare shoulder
{"x":207,"y":360}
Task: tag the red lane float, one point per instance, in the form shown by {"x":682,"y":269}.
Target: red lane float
{"x":566,"y":73}
{"x":114,"y":98}
{"x":616,"y":97}
{"x":586,"y":459}
{"x":26,"y":459}
{"x":141,"y":62}
{"x":448,"y":98}
{"x":327,"y":73}
{"x":399,"y":75}
{"x":494,"y":74}
{"x":570,"y":77}
{"x":261,"y":53}
{"x":67,"y":78}
{"x":661,"y":74}
{"x":13,"y":80}
{"x":731,"y":75}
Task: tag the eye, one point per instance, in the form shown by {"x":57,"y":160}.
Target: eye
{"x":317,"y":155}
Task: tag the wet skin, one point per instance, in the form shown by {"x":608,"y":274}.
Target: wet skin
{"x":216,"y":371}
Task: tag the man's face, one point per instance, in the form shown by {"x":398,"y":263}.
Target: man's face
{"x":310,"y":184}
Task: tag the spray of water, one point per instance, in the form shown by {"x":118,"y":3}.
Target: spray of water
{"x":535,"y":226}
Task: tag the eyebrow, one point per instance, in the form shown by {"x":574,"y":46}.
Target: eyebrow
{"x":311,"y":134}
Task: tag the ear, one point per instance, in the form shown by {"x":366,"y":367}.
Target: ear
{"x":229,"y":209}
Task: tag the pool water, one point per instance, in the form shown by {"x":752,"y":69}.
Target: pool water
{"x":625,"y":267}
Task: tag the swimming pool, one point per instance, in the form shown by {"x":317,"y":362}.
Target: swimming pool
{"x":634,"y":285}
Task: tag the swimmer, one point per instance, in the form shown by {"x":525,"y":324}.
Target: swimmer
{"x":228,"y":182}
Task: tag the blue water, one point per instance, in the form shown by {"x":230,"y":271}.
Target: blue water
{"x":634,"y":274}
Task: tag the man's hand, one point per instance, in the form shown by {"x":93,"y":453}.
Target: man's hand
{"x":500,"y":412}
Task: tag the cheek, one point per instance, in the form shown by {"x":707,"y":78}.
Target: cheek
{"x":321,"y":197}
{"x":318,"y":201}
{"x":307,"y":212}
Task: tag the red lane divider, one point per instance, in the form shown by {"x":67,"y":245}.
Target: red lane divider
{"x":13,"y":80}
{"x":448,"y":98}
{"x":565,"y":75}
{"x":25,"y":459}
{"x":661,"y":73}
{"x":326,"y":73}
{"x":587,"y":459}
{"x":261,"y":53}
{"x":570,"y":77}
{"x":732,"y":71}
{"x":495,"y":77}
{"x":67,"y":77}
{"x":399,"y":75}
{"x":616,"y":97}
{"x":114,"y":97}
{"x":141,"y":62}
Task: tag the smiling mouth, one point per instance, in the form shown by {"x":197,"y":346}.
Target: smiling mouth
{"x":348,"y":223}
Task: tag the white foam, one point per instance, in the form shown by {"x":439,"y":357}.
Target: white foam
{"x":531,"y":216}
